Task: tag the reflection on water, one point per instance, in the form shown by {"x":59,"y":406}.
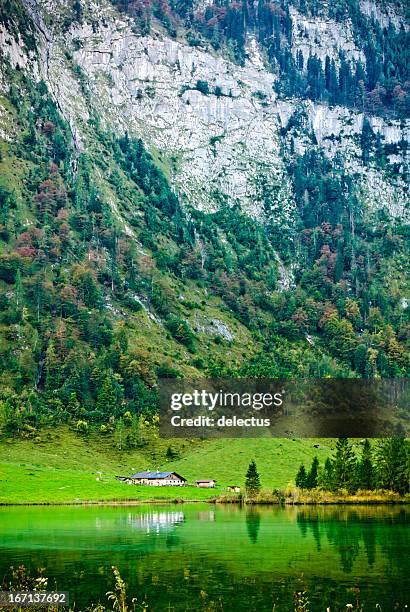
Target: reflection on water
{"x":183,"y":557}
{"x":350,"y":530}
{"x":206,"y":515}
{"x":150,"y":522}
{"x":253,"y":520}
{"x":155,"y":521}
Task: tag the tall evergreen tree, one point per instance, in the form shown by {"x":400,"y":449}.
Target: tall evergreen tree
{"x":365,"y":476}
{"x":366,"y":140}
{"x":170,"y":454}
{"x":300,"y":479}
{"x":252,"y":482}
{"x":326,"y":479}
{"x":73,"y":405}
{"x":134,"y":437}
{"x":344,"y":465}
{"x":311,"y":479}
{"x":107,"y":400}
{"x":53,"y":374}
{"x":393,"y":465}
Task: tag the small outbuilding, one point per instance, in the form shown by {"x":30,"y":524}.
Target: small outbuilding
{"x":205,"y":483}
{"x":234,"y":488}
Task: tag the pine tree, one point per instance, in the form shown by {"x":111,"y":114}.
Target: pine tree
{"x":366,"y":140}
{"x":53,"y":374}
{"x":300,"y":479}
{"x":379,"y":154}
{"x":326,"y":479}
{"x":134,"y":437}
{"x":393,"y":465}
{"x":252,"y":482}
{"x":365,"y":476}
{"x":107,"y":401}
{"x":311,"y":479}
{"x":77,"y":10}
{"x":331,"y":83}
{"x":170,"y":454}
{"x":344,"y":465}
{"x":73,"y":406}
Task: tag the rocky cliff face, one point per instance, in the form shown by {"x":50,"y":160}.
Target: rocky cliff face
{"x":278,"y":258}
{"x":223,"y":141}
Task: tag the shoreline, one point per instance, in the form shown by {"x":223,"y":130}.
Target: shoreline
{"x":216,"y":501}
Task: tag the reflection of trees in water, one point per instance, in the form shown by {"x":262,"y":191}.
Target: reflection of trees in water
{"x":309,"y":523}
{"x":342,"y":535}
{"x":395,"y":540}
{"x":253,"y":519}
{"x":348,"y":530}
{"x":172,"y":540}
{"x":369,"y":541}
{"x":303,"y":524}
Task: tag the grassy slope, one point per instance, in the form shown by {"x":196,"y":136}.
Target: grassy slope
{"x":64,"y":466}
{"x":227,"y":460}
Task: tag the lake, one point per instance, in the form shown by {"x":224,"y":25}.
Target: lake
{"x":201,"y":556}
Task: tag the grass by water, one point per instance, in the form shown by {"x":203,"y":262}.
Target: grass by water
{"x":65,"y":467}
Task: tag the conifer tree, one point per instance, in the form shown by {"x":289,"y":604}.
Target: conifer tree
{"x":344,"y":465}
{"x":366,"y":140}
{"x":52,"y":368}
{"x":170,"y":454}
{"x":252,"y":482}
{"x":73,"y":406}
{"x":365,"y":477}
{"x":393,"y":465}
{"x":326,"y":480}
{"x":107,"y":401}
{"x":311,"y":479}
{"x":301,"y":477}
{"x":134,"y":437}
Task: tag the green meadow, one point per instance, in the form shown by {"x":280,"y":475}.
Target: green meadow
{"x":65,"y":467}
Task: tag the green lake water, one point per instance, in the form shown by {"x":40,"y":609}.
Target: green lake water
{"x":184,"y":557}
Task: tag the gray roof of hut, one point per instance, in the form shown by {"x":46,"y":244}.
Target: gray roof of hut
{"x":155,"y":475}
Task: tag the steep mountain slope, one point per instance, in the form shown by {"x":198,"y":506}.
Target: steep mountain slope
{"x":219,"y":123}
{"x":198,"y":189}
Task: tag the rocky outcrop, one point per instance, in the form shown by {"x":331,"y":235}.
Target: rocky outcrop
{"x":323,"y":37}
{"x":218,"y":125}
{"x":385,"y":13}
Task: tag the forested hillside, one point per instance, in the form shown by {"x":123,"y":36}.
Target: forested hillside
{"x":111,"y":276}
{"x":377,"y":80}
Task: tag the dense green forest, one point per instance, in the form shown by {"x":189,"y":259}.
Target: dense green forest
{"x":380,"y":84}
{"x":74,"y":284}
{"x":385,"y":466}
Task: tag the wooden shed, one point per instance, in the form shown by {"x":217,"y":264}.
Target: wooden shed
{"x":234,"y":488}
{"x":205,"y":483}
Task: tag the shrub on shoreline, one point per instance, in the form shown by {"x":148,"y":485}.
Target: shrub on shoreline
{"x":296,"y":496}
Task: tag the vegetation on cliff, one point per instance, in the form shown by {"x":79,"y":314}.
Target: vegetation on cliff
{"x":107,"y":282}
